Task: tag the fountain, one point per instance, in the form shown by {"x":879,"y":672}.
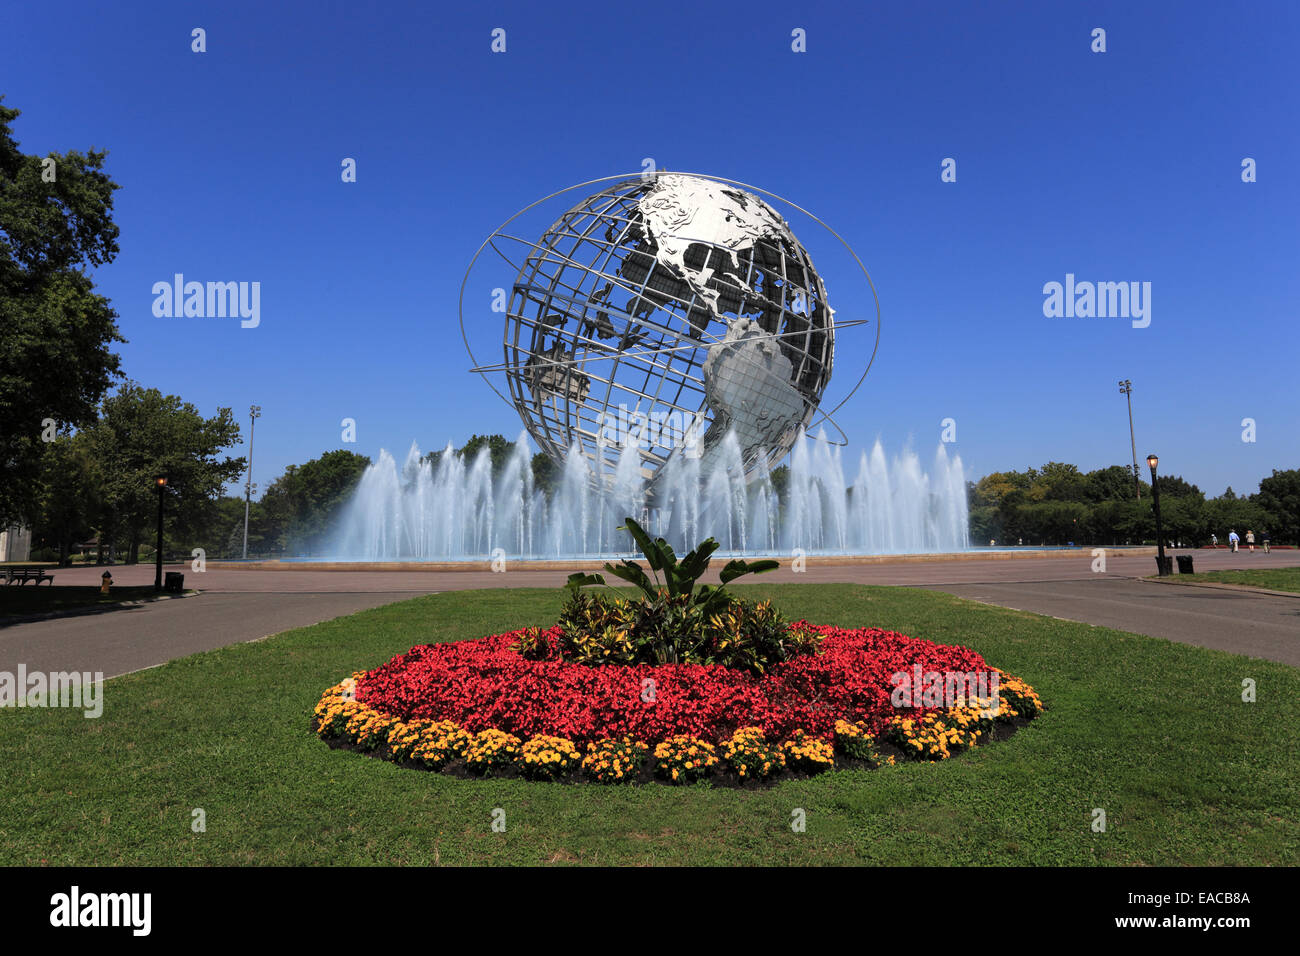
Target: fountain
{"x":459,"y":510}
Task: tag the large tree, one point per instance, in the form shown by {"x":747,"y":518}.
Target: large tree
{"x":56,"y":333}
{"x":1279,"y":496}
{"x":143,"y":433}
{"x":1057,"y":503}
{"x":1175,"y":486}
{"x":1114,"y":483}
{"x":300,"y":508}
{"x":225,"y":532}
{"x":1058,"y":481}
{"x":1230,"y":512}
{"x":70,"y":500}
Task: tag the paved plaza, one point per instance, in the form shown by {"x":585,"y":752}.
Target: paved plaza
{"x":237,"y":605}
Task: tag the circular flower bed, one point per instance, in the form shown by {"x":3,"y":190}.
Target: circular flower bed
{"x":499,"y":706}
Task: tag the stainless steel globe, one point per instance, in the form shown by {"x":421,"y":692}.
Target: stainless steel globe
{"x":663,"y":313}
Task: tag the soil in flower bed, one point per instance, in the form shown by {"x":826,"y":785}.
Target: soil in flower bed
{"x":722,"y":777}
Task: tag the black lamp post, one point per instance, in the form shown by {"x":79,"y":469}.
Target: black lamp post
{"x":1152,"y":461}
{"x":161,"y":482}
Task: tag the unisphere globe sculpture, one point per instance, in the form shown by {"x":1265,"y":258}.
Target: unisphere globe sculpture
{"x":667,"y":312}
{"x":667,"y":342}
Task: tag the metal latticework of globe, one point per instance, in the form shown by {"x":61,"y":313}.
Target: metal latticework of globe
{"x":667,"y":312}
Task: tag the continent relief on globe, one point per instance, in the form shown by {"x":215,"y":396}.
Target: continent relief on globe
{"x":747,"y":384}
{"x":709,"y":255}
{"x":679,"y":211}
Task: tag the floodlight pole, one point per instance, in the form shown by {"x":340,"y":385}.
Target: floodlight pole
{"x":1126,"y":388}
{"x":254,"y":412}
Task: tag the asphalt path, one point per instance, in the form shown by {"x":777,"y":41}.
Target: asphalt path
{"x":234,"y":605}
{"x":132,"y":638}
{"x":1241,"y":622}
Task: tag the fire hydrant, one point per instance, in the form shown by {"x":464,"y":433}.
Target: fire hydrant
{"x":106,"y":583}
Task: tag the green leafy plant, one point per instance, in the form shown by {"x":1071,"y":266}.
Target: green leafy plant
{"x":596,"y":630}
{"x":678,"y":577}
{"x":677,"y":620}
{"x":533,"y":645}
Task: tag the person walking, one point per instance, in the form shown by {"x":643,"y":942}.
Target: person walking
{"x":1214,"y":540}
{"x":1250,"y":540}
{"x":1233,"y":540}
{"x":1265,"y":538}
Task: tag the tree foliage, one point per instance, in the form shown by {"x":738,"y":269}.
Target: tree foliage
{"x":56,"y":332}
{"x":69,"y":495}
{"x":300,"y":508}
{"x":1279,"y":496}
{"x":142,"y":433}
{"x":1058,"y":504}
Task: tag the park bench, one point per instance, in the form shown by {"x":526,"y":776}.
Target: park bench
{"x":23,"y":575}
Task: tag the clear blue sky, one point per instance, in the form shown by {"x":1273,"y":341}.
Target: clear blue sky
{"x":1122,"y":166}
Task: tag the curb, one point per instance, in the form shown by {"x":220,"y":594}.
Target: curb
{"x":596,"y":564}
{"x":1221,"y":586}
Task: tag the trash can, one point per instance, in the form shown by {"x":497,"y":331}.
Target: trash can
{"x":174,"y":582}
{"x":1185,"y":564}
{"x":1164,"y":565}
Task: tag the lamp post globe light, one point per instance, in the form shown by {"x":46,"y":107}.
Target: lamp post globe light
{"x":161,"y":482}
{"x":1152,"y":462}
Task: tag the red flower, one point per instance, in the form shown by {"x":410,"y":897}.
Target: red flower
{"x":485,"y":683}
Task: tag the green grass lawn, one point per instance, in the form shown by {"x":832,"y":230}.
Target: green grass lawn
{"x":1153,"y":732}
{"x":1275,"y":579}
{"x":30,"y":598}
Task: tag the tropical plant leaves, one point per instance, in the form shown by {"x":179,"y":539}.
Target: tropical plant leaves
{"x":633,"y":573}
{"x":651,"y":549}
{"x":579,"y":579}
{"x":738,"y":567}
{"x":677,"y":620}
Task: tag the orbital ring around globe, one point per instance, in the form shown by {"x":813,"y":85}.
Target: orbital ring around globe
{"x":826,"y":415}
{"x":692,"y":253}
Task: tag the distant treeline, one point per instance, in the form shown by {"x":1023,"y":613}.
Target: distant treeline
{"x":96,"y":486}
{"x":1057,"y":504}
